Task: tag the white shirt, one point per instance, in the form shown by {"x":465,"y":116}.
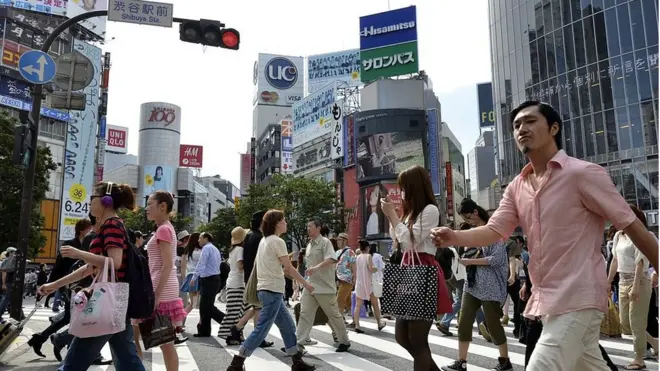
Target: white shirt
{"x":235,"y":279}
{"x":428,"y":219}
{"x":456,"y":268}
{"x":379,"y":264}
{"x":192,"y":261}
{"x":627,"y":254}
{"x":372,"y":224}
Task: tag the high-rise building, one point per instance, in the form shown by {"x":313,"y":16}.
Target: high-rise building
{"x":481,"y":170}
{"x":596,"y":62}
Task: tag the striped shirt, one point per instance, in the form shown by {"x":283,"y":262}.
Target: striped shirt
{"x":111,"y":235}
{"x":164,"y":233}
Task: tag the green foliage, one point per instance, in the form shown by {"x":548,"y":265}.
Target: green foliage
{"x":301,"y":199}
{"x":11,"y":184}
{"x":220,"y":226}
{"x":137,"y":221}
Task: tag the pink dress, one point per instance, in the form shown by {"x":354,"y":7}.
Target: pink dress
{"x":363,"y":289}
{"x":170,"y":302}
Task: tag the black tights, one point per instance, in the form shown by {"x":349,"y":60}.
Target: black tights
{"x":413,"y":336}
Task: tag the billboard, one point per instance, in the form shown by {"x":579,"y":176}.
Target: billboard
{"x":253,"y":159}
{"x":191,"y":156}
{"x":96,"y":24}
{"x":349,"y":140}
{"x":387,"y":154}
{"x":486,"y":108}
{"x":117,"y":137}
{"x":56,"y":7}
{"x":160,"y":115}
{"x":246,"y":172}
{"x":279,"y":79}
{"x":286,"y":148}
{"x":434,"y":150}
{"x":311,"y":157}
{"x":450,"y":189}
{"x":312,"y":116}
{"x":337,"y":136}
{"x":351,"y":205}
{"x":389,"y":61}
{"x":79,"y":152}
{"x":375,"y":222}
{"x":388,"y":44}
{"x":157,"y":178}
{"x":343,"y":67}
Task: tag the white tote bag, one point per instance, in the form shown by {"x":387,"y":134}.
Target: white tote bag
{"x":100,"y":309}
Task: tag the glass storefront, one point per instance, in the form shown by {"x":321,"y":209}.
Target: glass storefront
{"x":596,"y":62}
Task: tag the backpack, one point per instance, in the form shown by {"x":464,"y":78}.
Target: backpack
{"x":445,"y":257}
{"x":141,"y":296}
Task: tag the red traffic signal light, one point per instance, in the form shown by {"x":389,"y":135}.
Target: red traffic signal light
{"x":208,"y":32}
{"x":230,"y":39}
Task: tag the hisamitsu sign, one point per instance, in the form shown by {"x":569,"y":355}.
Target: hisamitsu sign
{"x":388,"y":28}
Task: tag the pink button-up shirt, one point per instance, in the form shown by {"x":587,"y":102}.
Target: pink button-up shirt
{"x":564,"y":220}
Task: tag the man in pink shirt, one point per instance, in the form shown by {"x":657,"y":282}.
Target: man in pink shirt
{"x":562,"y":204}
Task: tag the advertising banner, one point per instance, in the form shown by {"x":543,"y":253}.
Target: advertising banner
{"x":352,"y":206}
{"x":434,"y":171}
{"x":389,"y":61}
{"x":11,"y":53}
{"x":96,"y":24}
{"x":56,"y":7}
{"x":343,"y":67}
{"x":42,"y":23}
{"x":246,"y":172}
{"x":279,"y":80}
{"x":191,"y":156}
{"x":388,"y":154}
{"x":388,"y":28}
{"x":157,"y":178}
{"x":337,"y":133}
{"x":286,"y":162}
{"x":349,"y":140}
{"x":450,"y":189}
{"x":312,"y":116}
{"x":311,"y":157}
{"x":117,"y":137}
{"x":79,"y":152}
{"x":375,"y":222}
{"x":388,"y":44}
{"x":486,"y":108}
{"x":253,"y":158}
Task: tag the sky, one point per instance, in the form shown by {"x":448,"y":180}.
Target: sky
{"x":214,"y":87}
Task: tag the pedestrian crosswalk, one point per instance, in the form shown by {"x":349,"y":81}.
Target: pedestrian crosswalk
{"x":373,"y":351}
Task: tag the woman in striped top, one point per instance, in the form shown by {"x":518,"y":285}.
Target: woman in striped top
{"x":162,"y":252}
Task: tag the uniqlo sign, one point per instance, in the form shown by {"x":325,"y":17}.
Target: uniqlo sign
{"x":190,"y":155}
{"x":117,"y":137}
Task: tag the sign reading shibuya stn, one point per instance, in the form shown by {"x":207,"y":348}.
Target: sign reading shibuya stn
{"x":388,"y":28}
{"x":389,"y":61}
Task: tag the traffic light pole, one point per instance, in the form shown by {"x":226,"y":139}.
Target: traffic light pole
{"x":26,"y":200}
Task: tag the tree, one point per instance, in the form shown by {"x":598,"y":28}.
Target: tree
{"x":11,"y":186}
{"x":301,"y":199}
{"x":220,"y":226}
{"x":137,"y":221}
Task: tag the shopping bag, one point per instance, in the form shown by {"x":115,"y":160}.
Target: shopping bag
{"x":377,"y":286}
{"x":410,"y":292}
{"x":250,"y":296}
{"x":611,"y":325}
{"x":156,"y":331}
{"x":101,"y":308}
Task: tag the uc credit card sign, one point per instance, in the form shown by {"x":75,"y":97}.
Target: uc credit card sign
{"x":388,"y":28}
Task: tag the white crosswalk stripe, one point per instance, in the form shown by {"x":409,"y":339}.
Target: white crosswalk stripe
{"x":372,"y":351}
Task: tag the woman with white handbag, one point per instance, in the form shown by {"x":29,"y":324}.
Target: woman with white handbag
{"x":108,"y":251}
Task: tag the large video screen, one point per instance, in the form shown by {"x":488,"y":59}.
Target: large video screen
{"x":385,"y":155}
{"x":375,"y":224}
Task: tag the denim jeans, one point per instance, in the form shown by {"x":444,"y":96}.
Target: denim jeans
{"x":57,"y":299}
{"x":455,"y":308}
{"x":273,"y":311}
{"x":82,"y":352}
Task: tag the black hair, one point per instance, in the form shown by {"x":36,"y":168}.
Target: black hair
{"x":92,"y":219}
{"x":318,"y":223}
{"x":551,"y":116}
{"x":122,"y":194}
{"x":193,"y":243}
{"x":373,"y":248}
{"x":166,"y":198}
{"x":520,"y":239}
{"x":325,"y":231}
{"x":364,"y":245}
{"x":468,"y":206}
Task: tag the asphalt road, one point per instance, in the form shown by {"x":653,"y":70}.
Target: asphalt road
{"x":373,"y":351}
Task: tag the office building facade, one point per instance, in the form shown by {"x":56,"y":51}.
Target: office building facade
{"x":596,"y":62}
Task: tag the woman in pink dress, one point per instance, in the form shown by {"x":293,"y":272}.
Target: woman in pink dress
{"x":162,"y":252}
{"x":363,"y":289}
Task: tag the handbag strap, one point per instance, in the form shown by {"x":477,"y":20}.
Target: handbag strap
{"x":414,"y":251}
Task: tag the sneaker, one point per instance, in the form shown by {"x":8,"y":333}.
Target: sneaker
{"x":308,"y":341}
{"x":485,"y":333}
{"x":504,"y":364}
{"x":458,"y":365}
{"x":342,"y":348}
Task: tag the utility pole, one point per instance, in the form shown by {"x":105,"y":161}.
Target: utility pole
{"x":205,"y":32}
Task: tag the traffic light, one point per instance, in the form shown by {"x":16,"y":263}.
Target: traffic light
{"x":22,"y":141}
{"x":208,"y":32}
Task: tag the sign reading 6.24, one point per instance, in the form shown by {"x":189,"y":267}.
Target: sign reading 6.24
{"x":76,"y":207}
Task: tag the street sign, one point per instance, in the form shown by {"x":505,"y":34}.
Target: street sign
{"x":142,"y":12}
{"x":36,"y":67}
{"x":74,"y":71}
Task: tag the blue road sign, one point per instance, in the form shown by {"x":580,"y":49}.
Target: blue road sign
{"x":37,"y":67}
